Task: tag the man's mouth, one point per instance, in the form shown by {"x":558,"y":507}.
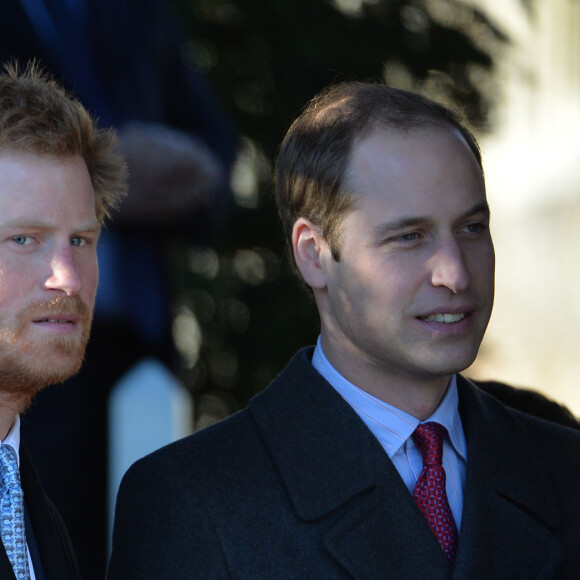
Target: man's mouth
{"x":444,"y":318}
{"x":54,"y":320}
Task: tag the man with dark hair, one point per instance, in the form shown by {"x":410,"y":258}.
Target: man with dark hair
{"x":60,"y":176}
{"x":369,"y":456}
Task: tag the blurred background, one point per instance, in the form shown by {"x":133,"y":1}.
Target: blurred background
{"x":196,"y":292}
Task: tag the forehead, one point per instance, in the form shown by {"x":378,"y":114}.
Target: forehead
{"x":43,"y":185}
{"x":406,"y":168}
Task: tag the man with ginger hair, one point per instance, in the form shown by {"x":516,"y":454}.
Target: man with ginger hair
{"x":369,"y":456}
{"x":60,"y":177}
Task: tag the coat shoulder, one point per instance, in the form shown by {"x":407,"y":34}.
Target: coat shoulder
{"x":531,"y":402}
{"x":211,"y":452}
{"x":545,"y":427}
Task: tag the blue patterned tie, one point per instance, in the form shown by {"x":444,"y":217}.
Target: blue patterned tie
{"x":12,"y":513}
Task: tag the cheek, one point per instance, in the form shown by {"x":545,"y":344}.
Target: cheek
{"x":18,"y":279}
{"x":402,"y":277}
{"x":377,"y":293}
{"x":17,"y":291}
{"x":90,"y":278}
{"x":483,"y":264}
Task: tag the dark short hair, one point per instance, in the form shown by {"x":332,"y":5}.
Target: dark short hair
{"x":315,"y":153}
{"x":38,"y":116}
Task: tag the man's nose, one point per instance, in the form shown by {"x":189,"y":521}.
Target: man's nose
{"x":64,"y":274}
{"x":449,"y":267}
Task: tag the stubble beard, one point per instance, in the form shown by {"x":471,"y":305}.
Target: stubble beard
{"x":29,"y":364}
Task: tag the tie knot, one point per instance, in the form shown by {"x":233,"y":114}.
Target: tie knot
{"x":9,"y":475}
{"x":428,"y":438}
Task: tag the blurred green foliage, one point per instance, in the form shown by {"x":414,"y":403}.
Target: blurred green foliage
{"x":242,"y":312}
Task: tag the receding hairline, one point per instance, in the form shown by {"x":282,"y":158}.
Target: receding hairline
{"x":315,"y":155}
{"x":377,"y":128}
{"x":391,"y":108}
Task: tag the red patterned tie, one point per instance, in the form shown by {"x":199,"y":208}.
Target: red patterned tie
{"x":430,"y":494}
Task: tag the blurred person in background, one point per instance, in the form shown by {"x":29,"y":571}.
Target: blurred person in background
{"x":124,"y":61}
{"x":60,"y":176}
{"x":370,"y":455}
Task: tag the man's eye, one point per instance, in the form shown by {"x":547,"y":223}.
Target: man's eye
{"x":77,"y":241}
{"x":474,"y":228}
{"x":22,"y":240}
{"x":411,"y":237}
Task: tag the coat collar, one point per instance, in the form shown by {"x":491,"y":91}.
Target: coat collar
{"x":510,"y":505}
{"x":52,"y":540}
{"x":334,"y":470}
{"x":316,"y":440}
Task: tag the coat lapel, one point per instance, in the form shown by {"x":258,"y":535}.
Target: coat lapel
{"x":6,"y":571}
{"x":385,"y":536}
{"x":509,"y":505}
{"x":52,"y":539}
{"x":339,"y":477}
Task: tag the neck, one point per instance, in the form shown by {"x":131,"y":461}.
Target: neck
{"x":10,"y":408}
{"x":418,"y":396}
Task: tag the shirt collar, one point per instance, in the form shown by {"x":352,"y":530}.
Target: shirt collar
{"x":13,"y":438}
{"x":391,"y":426}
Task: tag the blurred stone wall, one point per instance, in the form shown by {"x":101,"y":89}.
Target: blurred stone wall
{"x":532,"y":164}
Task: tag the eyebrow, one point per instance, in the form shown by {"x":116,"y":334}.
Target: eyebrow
{"x":93,"y":226}
{"x":385,"y":229}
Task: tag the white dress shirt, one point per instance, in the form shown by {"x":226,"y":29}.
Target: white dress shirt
{"x":13,"y":439}
{"x":393,"y":429}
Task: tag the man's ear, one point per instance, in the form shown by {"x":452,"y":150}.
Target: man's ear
{"x":308,"y":245}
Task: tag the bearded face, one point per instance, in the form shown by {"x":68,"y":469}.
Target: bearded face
{"x":48,"y":269}
{"x":33,"y":358}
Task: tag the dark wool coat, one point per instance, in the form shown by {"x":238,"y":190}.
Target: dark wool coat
{"x":296,"y":486}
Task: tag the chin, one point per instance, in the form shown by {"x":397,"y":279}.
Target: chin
{"x":59,"y":369}
{"x":24,"y":379}
{"x":455,"y":365}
